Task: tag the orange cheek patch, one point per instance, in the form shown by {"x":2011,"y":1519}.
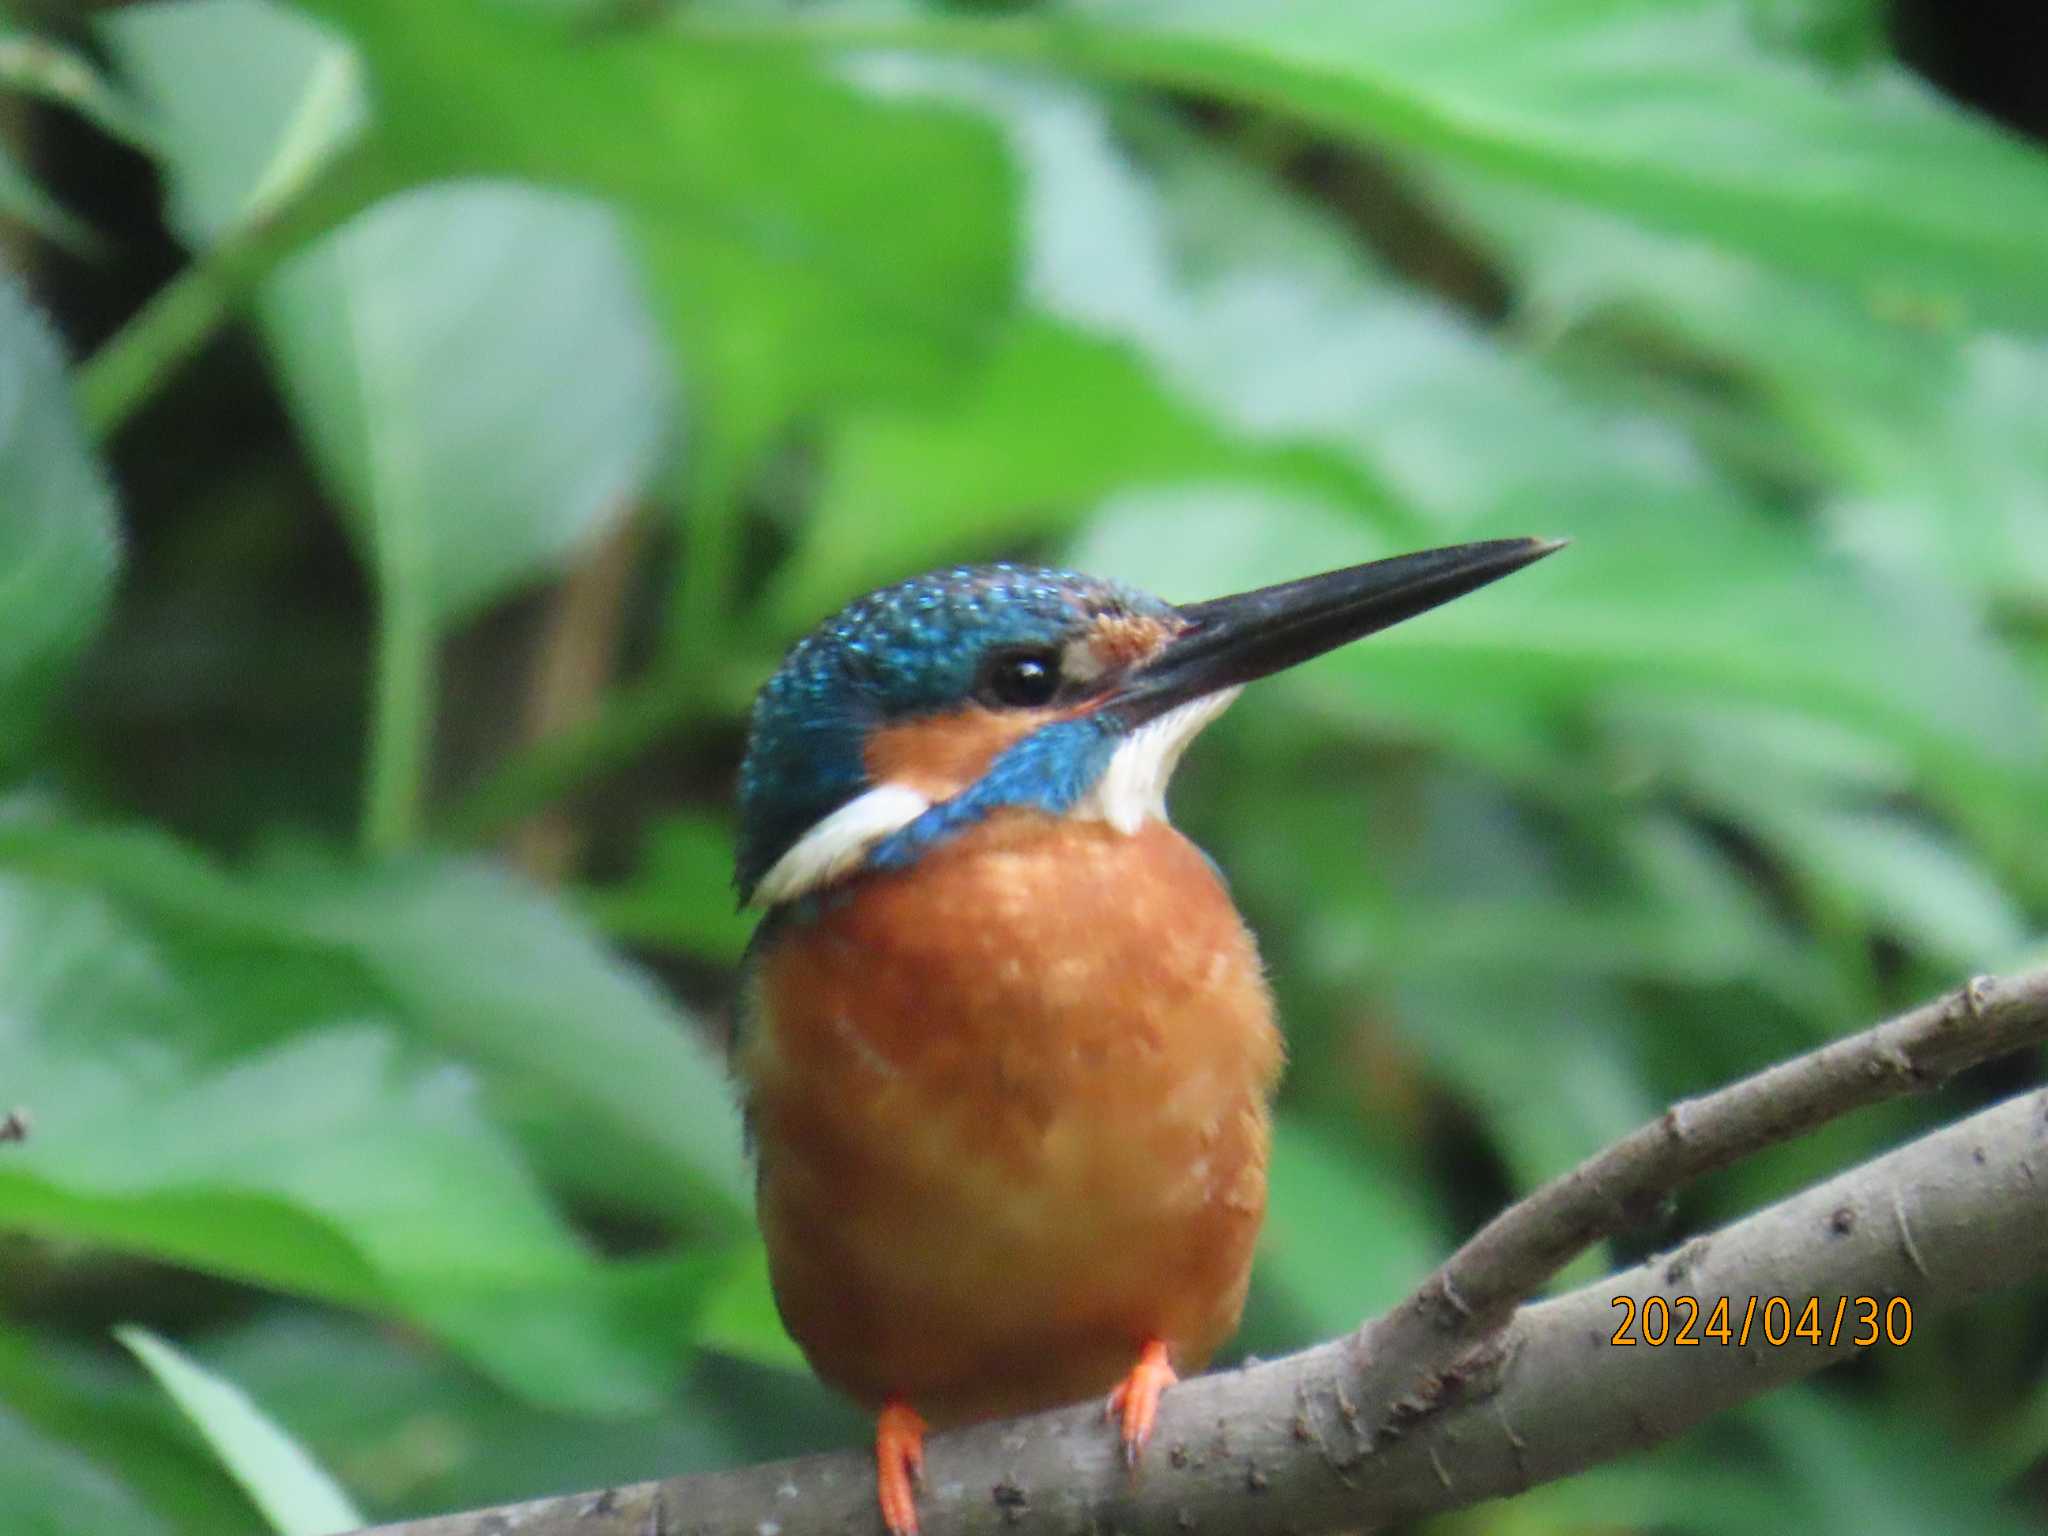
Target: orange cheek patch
{"x":940,"y":755}
{"x":1124,"y":640}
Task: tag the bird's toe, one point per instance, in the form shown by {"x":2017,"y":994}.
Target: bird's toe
{"x":899,"y":1464}
{"x":1134,"y":1405}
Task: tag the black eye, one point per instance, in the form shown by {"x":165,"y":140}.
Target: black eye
{"x":1020,"y":679}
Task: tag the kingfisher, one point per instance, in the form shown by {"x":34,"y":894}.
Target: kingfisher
{"x":1008,"y":1048}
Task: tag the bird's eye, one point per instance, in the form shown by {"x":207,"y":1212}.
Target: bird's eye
{"x":1020,"y":679}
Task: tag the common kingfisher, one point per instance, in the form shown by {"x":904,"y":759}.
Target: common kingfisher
{"x":1008,"y":1046}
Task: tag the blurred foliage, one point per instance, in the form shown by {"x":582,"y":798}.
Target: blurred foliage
{"x":296,"y":1497}
{"x":505,"y":384}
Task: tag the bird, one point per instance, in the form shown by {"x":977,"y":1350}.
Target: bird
{"x":1008,"y":1048}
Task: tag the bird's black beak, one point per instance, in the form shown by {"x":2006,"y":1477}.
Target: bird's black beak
{"x":1233,"y":640}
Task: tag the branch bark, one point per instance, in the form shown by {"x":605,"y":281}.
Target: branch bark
{"x":1455,"y":1396}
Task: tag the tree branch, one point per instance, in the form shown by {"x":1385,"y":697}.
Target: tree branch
{"x":1454,"y":1396}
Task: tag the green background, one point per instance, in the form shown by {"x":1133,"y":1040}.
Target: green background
{"x":423,"y":425}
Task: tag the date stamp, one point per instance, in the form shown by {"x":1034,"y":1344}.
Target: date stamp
{"x":1779,"y":1321}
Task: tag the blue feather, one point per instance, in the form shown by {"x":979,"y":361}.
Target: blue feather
{"x":909,"y":650}
{"x":1049,"y":770}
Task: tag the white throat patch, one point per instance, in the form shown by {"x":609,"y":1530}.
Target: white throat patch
{"x":1131,"y":791}
{"x":835,"y":846}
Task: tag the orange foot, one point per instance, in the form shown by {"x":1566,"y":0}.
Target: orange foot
{"x":899,"y":1461}
{"x":1136,"y":1399}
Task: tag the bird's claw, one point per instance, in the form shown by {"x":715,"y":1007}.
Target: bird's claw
{"x":899,"y":1465}
{"x":1134,"y":1405}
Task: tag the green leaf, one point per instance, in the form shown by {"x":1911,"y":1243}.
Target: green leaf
{"x":1684,"y":115}
{"x":1566,"y":1088}
{"x":615,"y":1089}
{"x":1902,"y":876}
{"x":1920,"y":429}
{"x":1467,"y":438}
{"x":49,"y":1489}
{"x":1115,"y":333}
{"x":610,"y":1083}
{"x":810,"y":240}
{"x":476,"y":374}
{"x":58,"y":544}
{"x":680,"y":896}
{"x":1345,"y":1235}
{"x":296,"y":1496}
{"x":246,"y":100}
{"x":209,"y":1099}
{"x":1843,"y":34}
{"x":1889,"y":1469}
{"x":474,"y":367}
{"x":1684,"y":919}
{"x":93,"y":1402}
{"x":1953,"y":478}
{"x":413,"y":1435}
{"x":1710,"y":1489}
{"x":1542,"y":1049}
{"x":912,"y":488}
{"x":1484,"y":443}
{"x":742,"y":1319}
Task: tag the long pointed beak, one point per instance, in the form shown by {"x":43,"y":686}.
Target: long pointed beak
{"x":1234,"y":640}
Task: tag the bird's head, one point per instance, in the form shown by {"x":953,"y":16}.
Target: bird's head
{"x":921,"y":708}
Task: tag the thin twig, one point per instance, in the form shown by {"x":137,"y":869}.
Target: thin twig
{"x":1511,"y":1257}
{"x":1485,"y":1400}
{"x":183,"y":315}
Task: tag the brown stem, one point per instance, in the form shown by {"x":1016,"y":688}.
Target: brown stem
{"x":577,"y":653}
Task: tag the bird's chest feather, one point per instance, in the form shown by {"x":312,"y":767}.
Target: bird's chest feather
{"x":1035,"y":984}
{"x":1028,"y":1073}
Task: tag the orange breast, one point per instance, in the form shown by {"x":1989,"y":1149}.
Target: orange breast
{"x":1011,"y":1111}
